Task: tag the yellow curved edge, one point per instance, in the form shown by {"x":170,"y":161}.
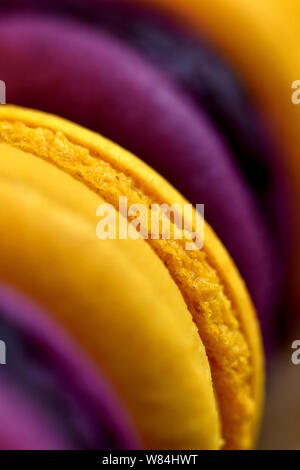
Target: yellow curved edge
{"x":208,"y":280}
{"x":116,"y":298}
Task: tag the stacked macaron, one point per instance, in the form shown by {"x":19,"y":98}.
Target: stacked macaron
{"x":169,"y":83}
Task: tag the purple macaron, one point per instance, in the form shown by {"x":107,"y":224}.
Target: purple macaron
{"x":51,"y":396}
{"x":88,"y":76}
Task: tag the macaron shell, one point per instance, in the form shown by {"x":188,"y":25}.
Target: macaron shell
{"x":160,"y":372}
{"x":230,"y":299}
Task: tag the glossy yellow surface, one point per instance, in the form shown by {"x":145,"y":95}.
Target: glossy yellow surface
{"x":133,"y":305}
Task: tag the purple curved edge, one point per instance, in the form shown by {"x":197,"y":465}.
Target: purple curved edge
{"x":88,"y":77}
{"x":22,"y":427}
{"x":83,"y":384}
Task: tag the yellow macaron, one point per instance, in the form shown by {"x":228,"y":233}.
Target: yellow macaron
{"x":174,"y":329}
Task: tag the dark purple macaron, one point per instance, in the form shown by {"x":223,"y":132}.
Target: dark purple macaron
{"x":207,"y":78}
{"x":83,"y":74}
{"x":22,"y":426}
{"x":51,"y":397}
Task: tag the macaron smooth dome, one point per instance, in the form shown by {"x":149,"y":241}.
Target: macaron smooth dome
{"x":71,"y":404}
{"x":180,"y":341}
{"x":128,"y":100}
{"x":79,"y":285}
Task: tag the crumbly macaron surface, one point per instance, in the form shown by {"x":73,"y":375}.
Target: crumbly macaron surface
{"x":209,"y":284}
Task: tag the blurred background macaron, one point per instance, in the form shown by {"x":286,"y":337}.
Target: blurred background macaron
{"x":51,"y":395}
